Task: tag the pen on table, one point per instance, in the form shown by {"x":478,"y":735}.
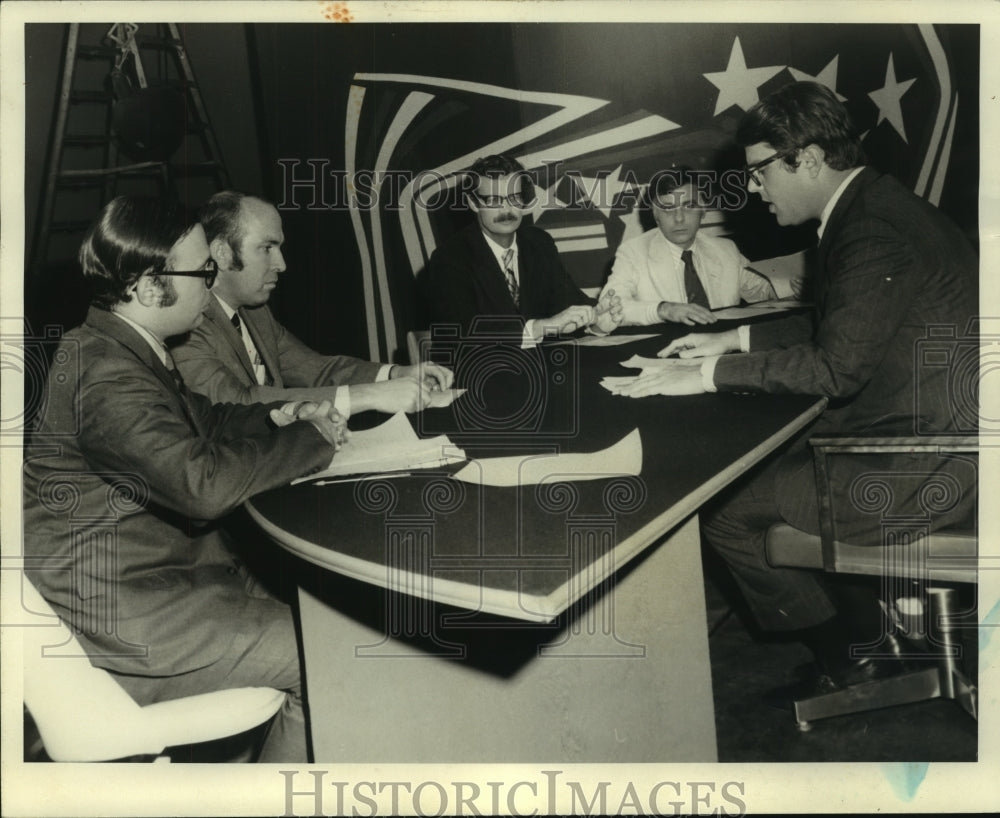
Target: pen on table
{"x":358,"y":479}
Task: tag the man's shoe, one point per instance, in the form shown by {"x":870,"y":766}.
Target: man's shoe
{"x":820,"y":681}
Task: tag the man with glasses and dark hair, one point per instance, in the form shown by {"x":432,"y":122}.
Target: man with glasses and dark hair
{"x":502,"y":267}
{"x":128,"y":469}
{"x":242,"y":354}
{"x":890,"y":267}
{"x":674,"y":272}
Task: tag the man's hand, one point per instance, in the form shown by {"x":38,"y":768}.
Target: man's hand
{"x":608,"y":312}
{"x":689,"y":314}
{"x":569,"y":320}
{"x":703,"y":345}
{"x":674,"y":381}
{"x":405,"y":394}
{"x":327,"y":420}
{"x":436,"y":376}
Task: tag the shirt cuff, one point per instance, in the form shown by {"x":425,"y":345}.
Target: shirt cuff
{"x":528,"y":339}
{"x":744,"y":333}
{"x":708,"y":374}
{"x":653,"y":313}
{"x":383,"y":373}
{"x":342,"y":401}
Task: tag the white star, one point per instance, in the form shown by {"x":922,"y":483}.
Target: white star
{"x":548,"y":199}
{"x":738,"y":84}
{"x":827,"y":77}
{"x":602,"y":191}
{"x":633,"y":225}
{"x":888,"y":96}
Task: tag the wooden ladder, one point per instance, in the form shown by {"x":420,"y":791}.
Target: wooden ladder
{"x":89,"y":158}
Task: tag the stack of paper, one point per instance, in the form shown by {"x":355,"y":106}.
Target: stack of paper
{"x":393,"y":446}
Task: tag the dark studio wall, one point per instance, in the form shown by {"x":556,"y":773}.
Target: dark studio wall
{"x":280,"y":95}
{"x":640,"y":72}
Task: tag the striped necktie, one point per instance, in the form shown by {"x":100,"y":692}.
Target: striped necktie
{"x":259,"y":370}
{"x":508,"y":271}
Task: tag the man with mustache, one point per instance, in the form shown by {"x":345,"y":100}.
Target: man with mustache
{"x":242,"y":354}
{"x":500,"y":267}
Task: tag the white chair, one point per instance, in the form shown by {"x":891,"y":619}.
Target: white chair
{"x":83,"y":714}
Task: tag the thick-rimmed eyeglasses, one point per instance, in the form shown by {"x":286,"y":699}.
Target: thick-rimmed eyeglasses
{"x":752,"y":171}
{"x":208,"y":272}
{"x":516,"y":200}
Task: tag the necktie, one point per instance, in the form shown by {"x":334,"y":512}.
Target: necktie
{"x":508,"y":271}
{"x":259,"y":370}
{"x":692,"y":284}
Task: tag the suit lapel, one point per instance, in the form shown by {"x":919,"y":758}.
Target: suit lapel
{"x":263,"y":338}
{"x":491,"y":277}
{"x":218,"y":316}
{"x":125,"y":335}
{"x":833,"y":226}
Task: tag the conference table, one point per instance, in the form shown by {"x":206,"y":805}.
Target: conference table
{"x":559,"y":621}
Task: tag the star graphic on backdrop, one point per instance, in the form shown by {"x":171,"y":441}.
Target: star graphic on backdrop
{"x":548,"y":199}
{"x":888,"y":99}
{"x":827,"y":77}
{"x":738,"y":84}
{"x":602,"y":191}
{"x":633,"y":225}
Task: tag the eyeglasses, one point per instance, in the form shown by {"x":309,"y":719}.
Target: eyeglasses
{"x":751,"y":170}
{"x":208,"y":272}
{"x":520,"y":201}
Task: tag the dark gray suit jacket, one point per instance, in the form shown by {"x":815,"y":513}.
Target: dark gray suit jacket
{"x":120,"y":483}
{"x":214,"y":361}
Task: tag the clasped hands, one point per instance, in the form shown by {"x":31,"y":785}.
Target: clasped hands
{"x":605,"y":317}
{"x":327,"y":420}
{"x":683,"y":377}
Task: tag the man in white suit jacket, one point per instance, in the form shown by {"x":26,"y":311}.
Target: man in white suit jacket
{"x":649,"y":271}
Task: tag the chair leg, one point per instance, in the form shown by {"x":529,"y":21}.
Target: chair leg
{"x":904,"y":689}
{"x":944,"y":679}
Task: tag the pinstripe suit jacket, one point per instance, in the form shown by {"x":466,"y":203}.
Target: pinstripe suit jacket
{"x":891,"y":268}
{"x":213,"y":361}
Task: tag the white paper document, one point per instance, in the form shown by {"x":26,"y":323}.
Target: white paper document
{"x":605,"y":340}
{"x":392,"y":446}
{"x":622,"y":458}
{"x":761,"y":308}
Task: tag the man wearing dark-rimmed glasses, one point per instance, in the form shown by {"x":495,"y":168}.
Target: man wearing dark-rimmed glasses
{"x":503,"y":267}
{"x":890,"y":269}
{"x":135,"y":561}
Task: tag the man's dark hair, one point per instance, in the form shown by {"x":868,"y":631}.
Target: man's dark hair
{"x":497,"y":165}
{"x":131,"y":237}
{"x":222,"y":217}
{"x":664,"y":182}
{"x":799,"y":115}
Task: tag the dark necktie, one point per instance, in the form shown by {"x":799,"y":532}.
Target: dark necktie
{"x":237,"y":324}
{"x":692,"y":284}
{"x":508,"y":271}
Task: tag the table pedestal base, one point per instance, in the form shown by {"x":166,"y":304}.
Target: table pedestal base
{"x":622,"y":677}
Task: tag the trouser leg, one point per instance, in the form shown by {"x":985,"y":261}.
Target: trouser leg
{"x":781,"y":599}
{"x":263,"y":652}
